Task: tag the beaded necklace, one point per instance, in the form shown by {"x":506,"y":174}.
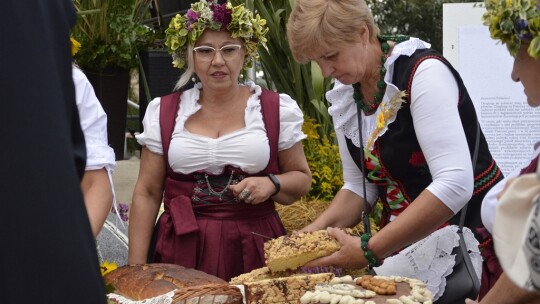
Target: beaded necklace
{"x":381,"y":85}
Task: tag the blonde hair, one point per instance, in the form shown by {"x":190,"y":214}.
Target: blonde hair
{"x":322,"y":24}
{"x":190,"y":69}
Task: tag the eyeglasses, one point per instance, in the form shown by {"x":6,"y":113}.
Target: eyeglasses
{"x":207,"y":53}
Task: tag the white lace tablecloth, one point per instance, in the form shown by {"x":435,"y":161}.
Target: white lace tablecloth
{"x":168,"y":299}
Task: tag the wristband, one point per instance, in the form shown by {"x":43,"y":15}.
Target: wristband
{"x":276,"y":183}
{"x":372,"y":259}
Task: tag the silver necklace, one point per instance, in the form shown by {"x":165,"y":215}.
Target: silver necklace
{"x":218,"y":193}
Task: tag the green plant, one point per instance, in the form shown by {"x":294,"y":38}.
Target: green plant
{"x":323,"y":159}
{"x":110,"y":32}
{"x":417,"y":18}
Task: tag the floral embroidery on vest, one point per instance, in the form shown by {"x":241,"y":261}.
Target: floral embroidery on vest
{"x":418,"y":161}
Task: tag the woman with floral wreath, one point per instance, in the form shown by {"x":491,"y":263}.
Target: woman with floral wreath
{"x":405,"y":108}
{"x":220,"y":154}
{"x":518,"y":27}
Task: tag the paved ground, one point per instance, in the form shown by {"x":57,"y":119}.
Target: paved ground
{"x":112,"y":241}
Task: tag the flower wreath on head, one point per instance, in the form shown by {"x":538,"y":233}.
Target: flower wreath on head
{"x":514,"y":21}
{"x":239,"y":21}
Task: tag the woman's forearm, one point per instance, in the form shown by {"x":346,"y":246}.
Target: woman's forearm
{"x":142,"y":218}
{"x":407,"y":228}
{"x":293,"y":185}
{"x":98,"y":197}
{"x":506,"y":292}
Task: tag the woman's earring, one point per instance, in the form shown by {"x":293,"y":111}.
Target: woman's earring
{"x":194,"y":79}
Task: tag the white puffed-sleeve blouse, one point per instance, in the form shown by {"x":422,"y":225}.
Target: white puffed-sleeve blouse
{"x":246,"y":148}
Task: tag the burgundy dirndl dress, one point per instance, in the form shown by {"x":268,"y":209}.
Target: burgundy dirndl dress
{"x":203,"y":225}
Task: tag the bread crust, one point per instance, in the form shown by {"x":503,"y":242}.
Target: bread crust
{"x":291,"y":252}
{"x":139,"y":282}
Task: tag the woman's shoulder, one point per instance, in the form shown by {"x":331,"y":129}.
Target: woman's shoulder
{"x":407,"y":50}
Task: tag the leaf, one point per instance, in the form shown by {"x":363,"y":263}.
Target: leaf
{"x":534,"y":48}
{"x":109,"y":288}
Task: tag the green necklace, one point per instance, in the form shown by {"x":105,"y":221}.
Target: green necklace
{"x":381,"y":85}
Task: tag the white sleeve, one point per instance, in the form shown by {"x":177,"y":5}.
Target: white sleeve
{"x":352,"y":176}
{"x":434,"y":109}
{"x":93,"y":124}
{"x":151,"y":136}
{"x":291,"y":120}
{"x":490,"y":202}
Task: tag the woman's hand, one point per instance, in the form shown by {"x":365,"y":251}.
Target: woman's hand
{"x":310,"y":228}
{"x":349,"y":256}
{"x":253,"y":190}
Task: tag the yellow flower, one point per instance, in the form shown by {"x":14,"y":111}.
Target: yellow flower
{"x":388,"y":112}
{"x":380,"y":120}
{"x":107,"y":267}
{"x":75,"y":46}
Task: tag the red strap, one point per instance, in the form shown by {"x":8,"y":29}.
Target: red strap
{"x":270,"y":113}
{"x":168,"y":109}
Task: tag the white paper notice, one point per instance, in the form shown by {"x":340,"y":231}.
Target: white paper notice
{"x":510,"y":125}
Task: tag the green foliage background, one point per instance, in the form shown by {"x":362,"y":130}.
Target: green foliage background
{"x":110,"y":32}
{"x":323,"y":159}
{"x":417,"y":18}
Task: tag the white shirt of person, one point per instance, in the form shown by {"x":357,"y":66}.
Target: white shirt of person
{"x":490,"y":202}
{"x":94,"y":125}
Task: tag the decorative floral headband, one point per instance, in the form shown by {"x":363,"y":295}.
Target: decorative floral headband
{"x":239,"y":21}
{"x":514,"y":21}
